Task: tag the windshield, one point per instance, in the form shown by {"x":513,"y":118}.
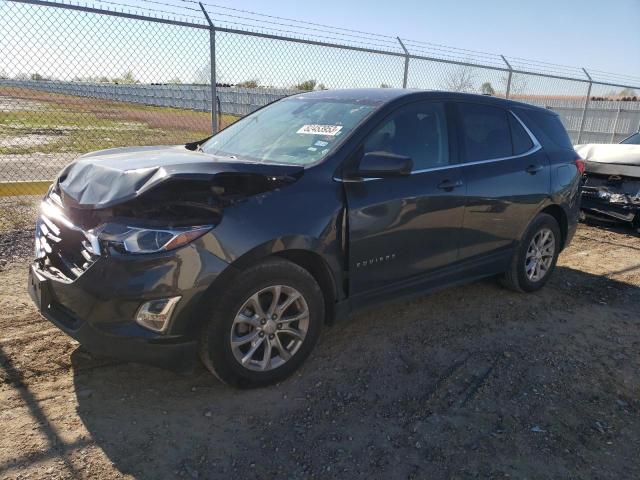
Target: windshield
{"x":294,"y":130}
{"x":632,"y":140}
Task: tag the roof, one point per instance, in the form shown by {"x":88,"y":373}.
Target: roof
{"x":381,"y":96}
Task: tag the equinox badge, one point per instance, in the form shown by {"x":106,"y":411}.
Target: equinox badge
{"x":375,"y":260}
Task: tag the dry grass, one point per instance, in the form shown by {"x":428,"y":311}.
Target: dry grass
{"x":42,"y":122}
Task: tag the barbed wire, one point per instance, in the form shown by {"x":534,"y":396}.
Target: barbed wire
{"x":385,"y":45}
{"x":331,"y":27}
{"x":241,"y":19}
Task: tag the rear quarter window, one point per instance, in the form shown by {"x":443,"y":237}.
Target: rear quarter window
{"x":551,"y":126}
{"x":521,"y":140}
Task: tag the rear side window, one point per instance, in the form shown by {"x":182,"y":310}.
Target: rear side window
{"x":551,"y":126}
{"x":521,"y":140}
{"x":485,"y":132}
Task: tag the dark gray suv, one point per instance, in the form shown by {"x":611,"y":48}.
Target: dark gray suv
{"x":240,"y":247}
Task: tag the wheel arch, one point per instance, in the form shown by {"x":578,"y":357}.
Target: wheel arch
{"x":304,"y":252}
{"x":557,"y":212}
{"x":313,"y":263}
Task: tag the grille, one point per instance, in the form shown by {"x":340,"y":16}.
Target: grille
{"x":62,"y":249}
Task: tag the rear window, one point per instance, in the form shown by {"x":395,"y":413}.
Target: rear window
{"x":551,"y":126}
{"x":521,"y":140}
{"x":632,"y":140}
{"x":485,"y":132}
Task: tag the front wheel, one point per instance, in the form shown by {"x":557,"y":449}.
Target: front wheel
{"x":535,"y":257}
{"x":265,"y":325}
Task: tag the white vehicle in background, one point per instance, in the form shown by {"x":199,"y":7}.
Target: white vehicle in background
{"x":611,"y":181}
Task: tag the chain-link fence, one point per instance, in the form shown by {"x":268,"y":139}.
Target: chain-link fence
{"x":77,"y":78}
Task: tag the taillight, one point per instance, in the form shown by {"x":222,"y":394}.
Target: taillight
{"x":580,"y":165}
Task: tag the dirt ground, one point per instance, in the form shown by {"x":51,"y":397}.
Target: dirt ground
{"x":471,"y":382}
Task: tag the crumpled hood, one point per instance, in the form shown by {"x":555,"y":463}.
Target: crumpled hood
{"x":110,"y":177}
{"x":610,"y":153}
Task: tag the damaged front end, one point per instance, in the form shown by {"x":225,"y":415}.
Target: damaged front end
{"x":612,"y":198}
{"x":611,"y":183}
{"x":138,"y":201}
{"x":126,"y":249}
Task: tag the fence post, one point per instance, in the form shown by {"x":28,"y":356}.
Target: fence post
{"x":586,"y":106}
{"x":406,"y":63}
{"x":506,"y":94}
{"x":615,"y":123}
{"x":212,"y":58}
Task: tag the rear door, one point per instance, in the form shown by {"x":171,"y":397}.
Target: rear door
{"x":507,"y":174}
{"x":402,"y":227}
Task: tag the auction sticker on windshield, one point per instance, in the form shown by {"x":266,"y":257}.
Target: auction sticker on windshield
{"x":330,"y":130}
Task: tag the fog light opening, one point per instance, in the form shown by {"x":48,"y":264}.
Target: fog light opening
{"x":156,"y":314}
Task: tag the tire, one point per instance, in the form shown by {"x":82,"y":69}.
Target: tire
{"x":517,"y":277}
{"x":242,"y":312}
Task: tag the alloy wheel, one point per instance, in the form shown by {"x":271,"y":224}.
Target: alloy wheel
{"x":269,"y":328}
{"x":540,"y":255}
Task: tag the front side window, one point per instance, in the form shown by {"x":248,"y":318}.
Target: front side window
{"x":485,"y":132}
{"x":295,"y":130}
{"x":418,"y":131}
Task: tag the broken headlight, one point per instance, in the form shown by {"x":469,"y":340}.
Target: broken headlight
{"x":127,"y":239}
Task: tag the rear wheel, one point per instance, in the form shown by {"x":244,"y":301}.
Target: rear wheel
{"x":536,"y":256}
{"x":265,"y":325}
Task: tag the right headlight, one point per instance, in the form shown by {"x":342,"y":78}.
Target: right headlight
{"x":128,"y":239}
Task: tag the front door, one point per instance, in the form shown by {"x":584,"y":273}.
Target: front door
{"x":403,"y":227}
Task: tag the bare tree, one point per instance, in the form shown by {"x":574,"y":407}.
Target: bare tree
{"x":627,"y":92}
{"x":126,"y":78}
{"x":307,"y":85}
{"x":519,"y":84}
{"x":487,"y":89}
{"x":460,"y":79}
{"x":203,"y":75}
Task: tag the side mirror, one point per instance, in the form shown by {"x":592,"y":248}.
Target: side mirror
{"x":384,"y":164}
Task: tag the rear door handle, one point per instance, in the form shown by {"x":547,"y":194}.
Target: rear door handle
{"x":533,"y":169}
{"x":448,"y":185}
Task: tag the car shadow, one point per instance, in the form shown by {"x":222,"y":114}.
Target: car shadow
{"x":354,"y":405}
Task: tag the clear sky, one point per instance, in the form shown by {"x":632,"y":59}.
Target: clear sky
{"x":65,"y":44}
{"x":601,"y":34}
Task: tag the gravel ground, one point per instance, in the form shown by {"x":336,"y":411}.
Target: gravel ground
{"x":472,"y":382}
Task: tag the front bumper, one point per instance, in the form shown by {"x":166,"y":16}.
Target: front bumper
{"x":125,"y":342}
{"x":604,"y":209}
{"x":98,"y":308}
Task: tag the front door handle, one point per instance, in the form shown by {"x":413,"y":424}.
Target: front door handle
{"x":533,"y":169}
{"x":448,"y":185}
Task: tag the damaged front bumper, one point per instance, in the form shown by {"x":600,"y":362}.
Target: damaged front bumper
{"x":110,"y":336}
{"x":621,"y":208}
{"x":612,"y":198}
{"x":95,"y":298}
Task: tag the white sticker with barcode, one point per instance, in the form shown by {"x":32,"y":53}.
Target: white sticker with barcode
{"x":330,"y":130}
